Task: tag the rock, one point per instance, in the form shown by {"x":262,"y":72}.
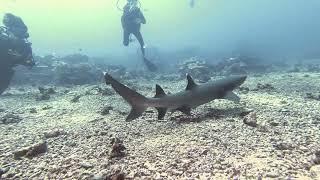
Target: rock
{"x":117,"y":71}
{"x":272,"y":174}
{"x":37,"y":149}
{"x":117,"y":148}
{"x":77,"y":74}
{"x":235,"y":174}
{"x":284,"y":110}
{"x":98,"y":177}
{"x":106,"y":110}
{"x":197,"y":68}
{"x":71,"y":144}
{"x":54,"y":133}
{"x":150,"y":166}
{"x":316,"y":158}
{"x":10,"y":118}
{"x":20,"y":153}
{"x":315,"y":170}
{"x":86,"y":165}
{"x":33,"y":110}
{"x":46,"y":107}
{"x":245,"y":112}
{"x":241,"y":64}
{"x":75,"y":58}
{"x":75,"y":98}
{"x":3,"y":171}
{"x":304,"y":149}
{"x":31,"y":151}
{"x":149,"y":111}
{"x":283,"y":102}
{"x":312,"y":96}
{"x":283,"y":146}
{"x":266,"y":87}
{"x":96,"y":120}
{"x":251,"y":119}
{"x":312,"y":67}
{"x":11,"y":175}
{"x":45,"y":93}
{"x":46,"y":90}
{"x":107,"y":92}
{"x":273,"y":123}
{"x":116,"y":176}
{"x":43,"y":97}
{"x":176,"y":172}
{"x":309,"y":95}
{"x":2,"y":110}
{"x":98,"y":90}
{"x":244,"y":90}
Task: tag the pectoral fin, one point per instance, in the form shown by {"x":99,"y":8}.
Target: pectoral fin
{"x":232,"y":97}
{"x":161,"y":112}
{"x":186,"y":110}
{"x":135,"y":113}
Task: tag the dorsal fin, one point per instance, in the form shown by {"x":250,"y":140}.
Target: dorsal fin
{"x":191,"y":83}
{"x":159,"y":92}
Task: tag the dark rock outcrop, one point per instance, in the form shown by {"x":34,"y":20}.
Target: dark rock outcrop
{"x":10,"y":118}
{"x":31,"y":151}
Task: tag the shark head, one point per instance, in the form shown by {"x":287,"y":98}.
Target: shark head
{"x":235,"y":81}
{"x":240,"y":79}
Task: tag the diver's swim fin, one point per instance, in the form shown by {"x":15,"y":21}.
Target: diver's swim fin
{"x":151,"y":67}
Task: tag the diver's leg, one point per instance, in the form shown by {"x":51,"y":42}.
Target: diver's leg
{"x":126,"y":35}
{"x":147,"y":62}
{"x":5,"y":78}
{"x":141,"y":42}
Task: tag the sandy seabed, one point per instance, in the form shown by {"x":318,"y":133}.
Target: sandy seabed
{"x":214,"y":143}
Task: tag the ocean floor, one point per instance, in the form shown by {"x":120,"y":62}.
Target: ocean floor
{"x":80,"y":132}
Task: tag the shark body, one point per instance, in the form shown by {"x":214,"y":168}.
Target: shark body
{"x":193,"y":96}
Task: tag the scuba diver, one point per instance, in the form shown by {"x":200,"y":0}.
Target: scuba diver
{"x":131,"y":21}
{"x":191,"y":3}
{"x":15,"y":49}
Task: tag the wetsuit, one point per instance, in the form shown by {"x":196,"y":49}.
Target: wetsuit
{"x":6,"y":72}
{"x":14,"y":49}
{"x":131,"y":26}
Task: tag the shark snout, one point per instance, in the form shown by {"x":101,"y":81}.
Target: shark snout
{"x":238,"y":80}
{"x":242,"y":79}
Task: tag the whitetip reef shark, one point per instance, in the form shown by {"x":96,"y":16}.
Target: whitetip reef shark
{"x":193,"y":96}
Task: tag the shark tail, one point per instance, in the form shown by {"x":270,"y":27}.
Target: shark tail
{"x":136,"y":100}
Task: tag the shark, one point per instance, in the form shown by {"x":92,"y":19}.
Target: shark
{"x":191,"y":97}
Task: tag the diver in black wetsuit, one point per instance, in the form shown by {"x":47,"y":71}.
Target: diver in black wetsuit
{"x":14,"y":48}
{"x":131,"y":21}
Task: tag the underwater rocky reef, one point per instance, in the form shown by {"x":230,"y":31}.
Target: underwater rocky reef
{"x":61,"y":121}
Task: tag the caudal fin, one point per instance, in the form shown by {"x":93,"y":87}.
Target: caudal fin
{"x":136,"y":100}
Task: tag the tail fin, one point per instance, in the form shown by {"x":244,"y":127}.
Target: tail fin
{"x":136,"y":100}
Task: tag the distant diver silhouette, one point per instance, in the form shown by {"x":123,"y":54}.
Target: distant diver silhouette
{"x":191,"y":3}
{"x":131,"y":21}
